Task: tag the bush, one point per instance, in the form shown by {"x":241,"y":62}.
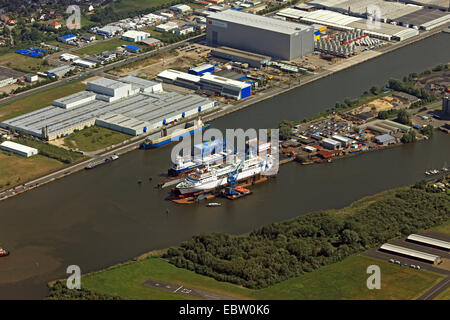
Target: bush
{"x":280,"y":251}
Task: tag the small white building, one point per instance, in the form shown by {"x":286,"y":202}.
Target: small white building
{"x":167,"y":15}
{"x":180,"y":8}
{"x":331,"y":144}
{"x":88,"y":37}
{"x":184,"y":30}
{"x":31,"y":77}
{"x":135,"y":36}
{"x":84,"y":63}
{"x":19,"y":149}
{"x":68,"y":57}
{"x":167,"y":27}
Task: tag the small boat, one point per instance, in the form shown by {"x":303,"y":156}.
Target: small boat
{"x":213,"y":204}
{"x":102,"y":161}
{"x":3,"y":252}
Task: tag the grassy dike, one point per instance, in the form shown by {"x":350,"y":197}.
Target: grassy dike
{"x":345,"y":279}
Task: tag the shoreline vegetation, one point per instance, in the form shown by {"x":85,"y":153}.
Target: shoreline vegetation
{"x":269,"y":262}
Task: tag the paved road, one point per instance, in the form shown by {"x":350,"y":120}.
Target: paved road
{"x":182,"y":290}
{"x":436,"y":290}
{"x":406,"y":262}
{"x":100,"y":70}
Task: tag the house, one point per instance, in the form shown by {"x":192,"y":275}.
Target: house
{"x":152,"y":42}
{"x":55,"y":24}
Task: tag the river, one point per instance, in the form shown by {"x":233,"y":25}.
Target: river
{"x":100,"y":217}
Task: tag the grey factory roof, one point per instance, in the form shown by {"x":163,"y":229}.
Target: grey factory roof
{"x":258,"y":21}
{"x":75,"y":97}
{"x":389,"y":10}
{"x":424,"y":17}
{"x":59,"y":69}
{"x":138,"y":82}
{"x":108,"y":83}
{"x":10,"y":73}
{"x":384,"y":138}
{"x":145,"y":107}
{"x":434,"y":3}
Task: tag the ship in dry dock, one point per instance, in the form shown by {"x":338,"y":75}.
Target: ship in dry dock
{"x":216,"y":176}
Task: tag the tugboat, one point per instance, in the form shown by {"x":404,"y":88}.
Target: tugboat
{"x":213,"y":204}
{"x":3,"y":252}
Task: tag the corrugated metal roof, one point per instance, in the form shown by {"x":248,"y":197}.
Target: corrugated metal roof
{"x":430,"y":241}
{"x":410,"y":252}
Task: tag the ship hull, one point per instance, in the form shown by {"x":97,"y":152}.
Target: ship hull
{"x":170,"y":139}
{"x":245,"y":174}
{"x":175,"y":172}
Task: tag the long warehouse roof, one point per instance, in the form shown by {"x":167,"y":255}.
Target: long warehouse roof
{"x":429,"y":241}
{"x":409,"y":252}
{"x":257,"y":21}
{"x":389,"y":10}
{"x":143,"y":106}
{"x":17,"y":146}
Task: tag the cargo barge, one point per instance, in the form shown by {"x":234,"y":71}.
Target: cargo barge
{"x":176,"y":135}
{"x":94,"y":164}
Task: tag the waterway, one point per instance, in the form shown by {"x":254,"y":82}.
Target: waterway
{"x":100,"y":217}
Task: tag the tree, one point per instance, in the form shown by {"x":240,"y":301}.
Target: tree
{"x":374,"y":90}
{"x":404,"y":117}
{"x":409,"y":137}
{"x":427,"y":130}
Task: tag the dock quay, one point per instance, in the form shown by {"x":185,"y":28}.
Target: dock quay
{"x":216,"y":192}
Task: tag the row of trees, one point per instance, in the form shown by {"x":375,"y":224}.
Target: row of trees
{"x":59,"y":291}
{"x":284,"y":250}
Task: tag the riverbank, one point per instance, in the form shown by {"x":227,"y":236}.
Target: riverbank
{"x":126,"y":280}
{"x":221,"y":112}
{"x":76,"y":220}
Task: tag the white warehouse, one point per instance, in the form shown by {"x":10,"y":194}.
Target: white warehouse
{"x":131,"y":105}
{"x":19,"y":149}
{"x":135,"y":36}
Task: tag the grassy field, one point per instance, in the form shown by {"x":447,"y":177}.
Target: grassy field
{"x":39,"y":100}
{"x":10,"y":59}
{"x":444,"y":228}
{"x":125,"y":6}
{"x":342,"y":280}
{"x":94,"y":138}
{"x":96,"y":48}
{"x":15,"y":169}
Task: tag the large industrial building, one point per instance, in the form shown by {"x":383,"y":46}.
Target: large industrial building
{"x":413,"y":14}
{"x":130,"y":105}
{"x":259,"y":34}
{"x":223,"y":86}
{"x":343,"y":22}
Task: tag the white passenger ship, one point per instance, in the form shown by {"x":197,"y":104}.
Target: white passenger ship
{"x":215,"y":176}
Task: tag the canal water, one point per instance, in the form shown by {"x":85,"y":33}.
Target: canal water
{"x":101,"y":217}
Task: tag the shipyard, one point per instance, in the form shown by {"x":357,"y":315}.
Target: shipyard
{"x":361,"y":103}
